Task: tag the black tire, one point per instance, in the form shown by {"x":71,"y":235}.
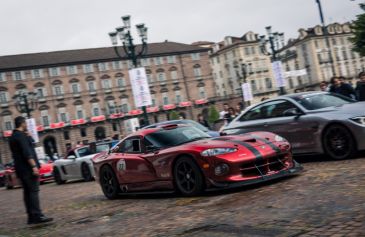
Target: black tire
{"x":57,"y":177}
{"x":109,"y":182}
{"x":86,"y":172}
{"x":338,"y":142}
{"x":189,"y":180}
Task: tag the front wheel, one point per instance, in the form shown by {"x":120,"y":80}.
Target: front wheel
{"x":57,"y":177}
{"x":188,"y":177}
{"x":338,"y":142}
{"x":86,"y":172}
{"x":109,"y":182}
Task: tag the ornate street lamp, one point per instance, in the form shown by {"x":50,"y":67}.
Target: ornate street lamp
{"x":242,"y":76}
{"x":274,"y":41}
{"x":25,"y":102}
{"x":129,"y":48}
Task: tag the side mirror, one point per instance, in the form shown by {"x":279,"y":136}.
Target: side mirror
{"x":151,"y":148}
{"x":71,"y":157}
{"x":292,"y":112}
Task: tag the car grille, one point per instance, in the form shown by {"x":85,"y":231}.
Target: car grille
{"x":265,"y":166}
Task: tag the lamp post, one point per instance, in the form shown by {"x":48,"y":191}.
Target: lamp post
{"x":129,"y":48}
{"x":275,"y":41}
{"x":25,"y":102}
{"x":243,"y":77}
{"x":325,"y":34}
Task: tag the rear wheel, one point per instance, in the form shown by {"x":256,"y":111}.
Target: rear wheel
{"x":338,"y":142}
{"x":188,"y":177}
{"x":86,"y":172}
{"x":57,"y":177}
{"x":109,"y":182}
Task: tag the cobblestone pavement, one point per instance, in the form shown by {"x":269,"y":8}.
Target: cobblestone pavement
{"x":326,"y":200}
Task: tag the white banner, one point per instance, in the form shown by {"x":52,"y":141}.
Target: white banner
{"x":247,"y":92}
{"x":295,"y":73}
{"x":40,"y":152}
{"x":279,"y":74}
{"x":32,"y":129}
{"x":140,"y":87}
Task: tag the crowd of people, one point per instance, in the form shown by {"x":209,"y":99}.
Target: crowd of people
{"x":340,"y":86}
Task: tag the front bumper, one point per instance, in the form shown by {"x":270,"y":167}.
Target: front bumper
{"x":284,"y":173}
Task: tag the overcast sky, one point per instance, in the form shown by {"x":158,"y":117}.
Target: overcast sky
{"x":47,"y":25}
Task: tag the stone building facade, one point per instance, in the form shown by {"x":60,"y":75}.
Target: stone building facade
{"x":242,"y":50}
{"x":85,"y":95}
{"x":310,"y":52}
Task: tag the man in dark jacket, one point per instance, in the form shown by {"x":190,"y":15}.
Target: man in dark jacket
{"x":342,"y":88}
{"x":360,"y":87}
{"x":27,"y":169}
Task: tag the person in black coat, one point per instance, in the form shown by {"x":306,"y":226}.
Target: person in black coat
{"x":202,"y":121}
{"x":342,"y":88}
{"x":360,"y":87}
{"x":27,"y":170}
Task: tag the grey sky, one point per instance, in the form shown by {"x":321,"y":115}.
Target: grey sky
{"x":46,"y":25}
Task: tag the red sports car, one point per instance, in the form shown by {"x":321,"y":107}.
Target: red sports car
{"x":183,"y":158}
{"x":45,"y":174}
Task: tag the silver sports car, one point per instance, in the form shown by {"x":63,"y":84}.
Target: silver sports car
{"x":313,"y":122}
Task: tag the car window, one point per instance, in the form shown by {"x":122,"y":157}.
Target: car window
{"x":84,"y":151}
{"x":267,"y":110}
{"x":102,"y":147}
{"x":320,"y":101}
{"x":130,"y":145}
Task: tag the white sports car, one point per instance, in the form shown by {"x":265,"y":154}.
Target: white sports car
{"x":77,"y":164}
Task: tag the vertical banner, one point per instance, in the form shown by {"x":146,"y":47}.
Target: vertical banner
{"x":279,"y":74}
{"x":247,"y":92}
{"x":140,"y":87}
{"x":32,"y":129}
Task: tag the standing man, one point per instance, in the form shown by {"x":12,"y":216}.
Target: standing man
{"x":27,"y":169}
{"x":224,"y":112}
{"x":360,"y":87}
{"x":342,"y":88}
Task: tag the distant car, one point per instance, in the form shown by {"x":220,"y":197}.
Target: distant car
{"x":313,"y":122}
{"x":45,"y":174}
{"x":187,"y":122}
{"x":77,"y":165}
{"x":185,"y":159}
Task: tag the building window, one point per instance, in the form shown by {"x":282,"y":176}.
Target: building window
{"x":71,"y":70}
{"x":268,"y":83}
{"x":63,"y":115}
{"x":247,"y":51}
{"x":37,"y":73}
{"x":178,"y":97}
{"x":195,"y":56}
{"x":125,"y":105}
{"x":291,"y":85}
{"x":153,"y":100}
{"x":54,"y":71}
{"x":121,"y":82}
{"x":107,"y":84}
{"x":171,"y":59}
{"x":111,"y":107}
{"x":45,"y":118}
{"x":91,"y":86}
{"x":58,"y":90}
{"x":145,"y":62}
{"x":117,"y":65}
{"x":253,"y":50}
{"x":95,"y":109}
{"x":173,"y":75}
{"x":4,"y":97}
{"x":158,"y":61}
{"x":197,"y":72}
{"x":165,"y":98}
{"x":83,"y":132}
{"x":202,"y":93}
{"x":150,"y":78}
{"x":103,"y":67}
{"x":88,"y":68}
{"x":2,"y":77}
{"x":41,"y":92}
{"x":8,"y":122}
{"x":161,"y":76}
{"x":79,"y":112}
{"x":66,"y":135}
{"x":115,"y":127}
{"x":75,"y":87}
{"x":253,"y":85}
{"x":17,"y":76}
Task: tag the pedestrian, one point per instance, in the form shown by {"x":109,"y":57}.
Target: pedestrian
{"x":115,"y":140}
{"x":360,"y":87}
{"x":27,"y":170}
{"x":202,"y":121}
{"x":323,"y":86}
{"x":342,"y":88}
{"x":224,"y":111}
{"x":239,"y":108}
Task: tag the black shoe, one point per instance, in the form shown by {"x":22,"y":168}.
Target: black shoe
{"x":39,"y":220}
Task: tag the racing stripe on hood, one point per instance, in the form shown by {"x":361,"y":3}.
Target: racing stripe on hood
{"x":267,"y":142}
{"x":245,"y":144}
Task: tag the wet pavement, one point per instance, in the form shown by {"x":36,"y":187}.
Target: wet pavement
{"x":327,"y":199}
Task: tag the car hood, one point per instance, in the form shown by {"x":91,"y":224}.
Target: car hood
{"x":356,"y":109}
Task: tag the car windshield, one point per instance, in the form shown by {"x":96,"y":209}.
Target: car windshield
{"x":195,"y":124}
{"x":102,"y":147}
{"x":175,"y":136}
{"x":320,"y":101}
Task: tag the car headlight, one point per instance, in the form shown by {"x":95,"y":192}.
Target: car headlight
{"x":279,"y":138}
{"x":218,"y":151}
{"x":359,"y":120}
{"x":231,"y":131}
